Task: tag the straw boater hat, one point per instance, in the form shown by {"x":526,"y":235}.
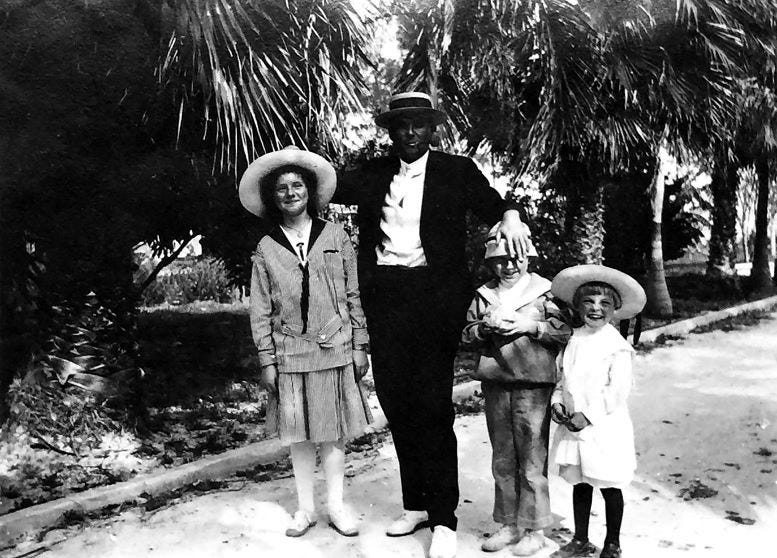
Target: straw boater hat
{"x":632,"y":294}
{"x":495,"y":249}
{"x":410,"y":104}
{"x":251,"y":182}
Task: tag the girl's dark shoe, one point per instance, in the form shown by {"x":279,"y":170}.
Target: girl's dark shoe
{"x":611,"y":550}
{"x":575,"y":548}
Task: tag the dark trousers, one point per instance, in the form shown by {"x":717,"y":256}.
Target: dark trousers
{"x":414,"y":333}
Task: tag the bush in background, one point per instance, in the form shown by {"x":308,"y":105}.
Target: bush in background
{"x":695,"y":286}
{"x":205,"y":279}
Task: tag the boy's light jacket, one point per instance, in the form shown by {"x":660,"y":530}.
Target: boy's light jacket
{"x":335,"y":321}
{"x":522,"y":357}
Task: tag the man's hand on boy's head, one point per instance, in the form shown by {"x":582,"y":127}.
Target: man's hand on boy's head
{"x":512,"y":230}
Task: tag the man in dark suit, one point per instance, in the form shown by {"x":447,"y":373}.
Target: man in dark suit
{"x":415,"y":288}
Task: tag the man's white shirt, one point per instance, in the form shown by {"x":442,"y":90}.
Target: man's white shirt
{"x":401,"y":217}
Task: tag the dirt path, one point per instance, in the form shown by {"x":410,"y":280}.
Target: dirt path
{"x":705,"y":410}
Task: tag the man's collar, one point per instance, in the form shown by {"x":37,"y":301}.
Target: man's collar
{"x":416,"y":167}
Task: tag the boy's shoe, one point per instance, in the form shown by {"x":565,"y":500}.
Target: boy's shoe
{"x":342,"y":521}
{"x":408,"y":523}
{"x":531,"y":543}
{"x":575,"y":548}
{"x":501,"y":538}
{"x":611,"y":550}
{"x":443,"y":543}
{"x":301,"y":523}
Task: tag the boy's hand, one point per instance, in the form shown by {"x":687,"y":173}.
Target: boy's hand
{"x":518,"y":324}
{"x":577,"y":422}
{"x":360,"y":363}
{"x":559,"y":413}
{"x":269,"y":379}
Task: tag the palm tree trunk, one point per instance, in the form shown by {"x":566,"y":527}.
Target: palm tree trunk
{"x":584,"y":220}
{"x":773,"y":244}
{"x":760,"y":277}
{"x":722,"y":248}
{"x":659,"y":302}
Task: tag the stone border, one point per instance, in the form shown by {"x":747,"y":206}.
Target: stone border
{"x":684,"y":327}
{"x":16,"y":525}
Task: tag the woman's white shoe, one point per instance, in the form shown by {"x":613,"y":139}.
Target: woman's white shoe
{"x":342,"y":521}
{"x":301,"y":522}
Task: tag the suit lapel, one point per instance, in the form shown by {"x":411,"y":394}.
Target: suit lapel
{"x":433,"y":192}
{"x":385,"y":179}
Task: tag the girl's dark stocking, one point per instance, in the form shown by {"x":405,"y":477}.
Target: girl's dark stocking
{"x":582,"y":494}
{"x":613,"y":511}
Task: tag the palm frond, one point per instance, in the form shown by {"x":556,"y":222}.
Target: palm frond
{"x":267,"y":74}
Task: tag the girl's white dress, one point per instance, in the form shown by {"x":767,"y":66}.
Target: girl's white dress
{"x":596,"y":377}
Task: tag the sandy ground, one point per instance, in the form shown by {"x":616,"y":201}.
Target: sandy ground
{"x":705,"y":413}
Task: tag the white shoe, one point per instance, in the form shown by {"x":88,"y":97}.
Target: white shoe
{"x":501,"y":538}
{"x":409,"y":522}
{"x":443,"y":543}
{"x":301,"y":522}
{"x":342,"y":521}
{"x":531,"y":543}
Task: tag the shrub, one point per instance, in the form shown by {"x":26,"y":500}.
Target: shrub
{"x":703,"y":288}
{"x":205,"y":279}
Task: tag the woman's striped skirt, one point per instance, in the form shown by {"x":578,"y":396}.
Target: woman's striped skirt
{"x":321,"y":406}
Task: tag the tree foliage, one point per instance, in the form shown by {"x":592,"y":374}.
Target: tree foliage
{"x":127,"y":121}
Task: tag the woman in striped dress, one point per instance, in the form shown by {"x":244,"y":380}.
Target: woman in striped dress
{"x":308,"y":325}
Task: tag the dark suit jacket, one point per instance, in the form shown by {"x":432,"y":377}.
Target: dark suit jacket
{"x":453,"y":185}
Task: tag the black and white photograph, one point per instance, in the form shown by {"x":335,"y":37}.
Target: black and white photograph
{"x":388,"y":278}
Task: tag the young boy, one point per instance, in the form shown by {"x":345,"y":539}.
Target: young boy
{"x":518,"y":331}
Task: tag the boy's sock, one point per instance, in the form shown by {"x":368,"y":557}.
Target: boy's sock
{"x":582,"y":494}
{"x":613,"y":511}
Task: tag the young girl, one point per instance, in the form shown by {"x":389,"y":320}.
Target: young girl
{"x":518,"y":331}
{"x":594,"y":444}
{"x":308,"y":325}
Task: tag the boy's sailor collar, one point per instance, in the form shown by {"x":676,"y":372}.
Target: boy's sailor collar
{"x":536,"y":287}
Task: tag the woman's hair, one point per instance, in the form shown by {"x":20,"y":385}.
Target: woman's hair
{"x":267,"y":187}
{"x":596,"y":288}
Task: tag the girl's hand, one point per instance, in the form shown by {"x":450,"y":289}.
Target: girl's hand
{"x":360,"y":363}
{"x":484,"y":329}
{"x":577,"y":422}
{"x":559,"y":413}
{"x":269,"y":379}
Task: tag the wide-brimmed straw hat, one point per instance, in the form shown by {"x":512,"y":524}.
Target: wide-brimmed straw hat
{"x":251,"y":182}
{"x":495,"y":249}
{"x":410,"y":104}
{"x":568,"y":280}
